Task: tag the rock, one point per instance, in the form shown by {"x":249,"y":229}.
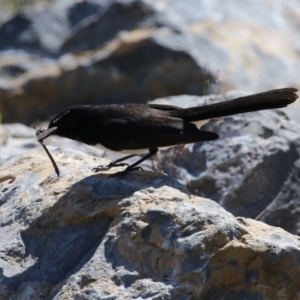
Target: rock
{"x":138,"y":50}
{"x":116,"y":73}
{"x":18,"y":130}
{"x":118,"y":17}
{"x":16,"y":139}
{"x":284,"y":211}
{"x":256,"y":152}
{"x":88,"y":236}
{"x":254,"y":161}
{"x":44,"y":29}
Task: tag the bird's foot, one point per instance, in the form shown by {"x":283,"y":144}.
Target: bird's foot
{"x":109,"y":166}
{"x":126,"y":171}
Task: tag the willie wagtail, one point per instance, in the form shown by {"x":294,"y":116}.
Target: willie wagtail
{"x":140,"y":128}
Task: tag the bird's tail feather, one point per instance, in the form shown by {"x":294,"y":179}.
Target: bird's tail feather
{"x":267,"y":100}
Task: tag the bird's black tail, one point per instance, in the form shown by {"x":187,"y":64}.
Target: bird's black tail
{"x":267,"y":100}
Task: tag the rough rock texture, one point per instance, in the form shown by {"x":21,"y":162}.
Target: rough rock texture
{"x":115,"y":73}
{"x":255,"y":161}
{"x":124,"y":52}
{"x":16,"y":139}
{"x":100,"y":51}
{"x":285,"y":211}
{"x":142,"y":236}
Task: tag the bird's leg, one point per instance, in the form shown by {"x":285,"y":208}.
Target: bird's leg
{"x":115,"y":163}
{"x":134,"y":167}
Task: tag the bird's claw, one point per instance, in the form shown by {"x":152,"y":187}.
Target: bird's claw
{"x":109,"y":166}
{"x":136,"y":169}
{"x":127,"y":170}
{"x":100,"y":168}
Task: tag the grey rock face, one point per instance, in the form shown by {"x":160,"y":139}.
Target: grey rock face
{"x":254,"y":161}
{"x":248,"y":167}
{"x":44,"y":30}
{"x":135,"y":51}
{"x":15,"y":139}
{"x":115,"y":73}
{"x":285,"y":211}
{"x":90,"y":236}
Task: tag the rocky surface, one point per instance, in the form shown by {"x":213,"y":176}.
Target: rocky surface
{"x":141,"y":236}
{"x":255,"y":161}
{"x":115,"y":73}
{"x":16,"y":139}
{"x":99,"y":51}
{"x":144,"y":236}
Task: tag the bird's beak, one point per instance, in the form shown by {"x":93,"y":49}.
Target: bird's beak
{"x":42,"y":134}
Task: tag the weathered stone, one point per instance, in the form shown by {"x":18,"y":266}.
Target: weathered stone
{"x":135,"y":51}
{"x":254,"y":162}
{"x":15,"y":139}
{"x":115,"y":73}
{"x":43,"y":30}
{"x":106,"y":25}
{"x":246,"y":169}
{"x":90,"y":236}
{"x":284,"y":212}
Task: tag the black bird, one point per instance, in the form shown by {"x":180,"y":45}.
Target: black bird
{"x":140,"y":128}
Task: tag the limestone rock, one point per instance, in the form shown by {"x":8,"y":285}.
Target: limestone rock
{"x":284,"y":212}
{"x":134,"y":51}
{"x":254,"y":161}
{"x":115,"y":54}
{"x":15,"y":139}
{"x":44,"y":29}
{"x":88,"y":236}
{"x":115,"y":73}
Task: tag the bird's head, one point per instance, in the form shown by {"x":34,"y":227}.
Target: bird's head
{"x":65,"y":124}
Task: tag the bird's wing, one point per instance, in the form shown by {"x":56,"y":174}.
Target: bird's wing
{"x":153,"y":131}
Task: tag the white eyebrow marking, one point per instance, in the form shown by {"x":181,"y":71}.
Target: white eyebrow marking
{"x":56,"y":119}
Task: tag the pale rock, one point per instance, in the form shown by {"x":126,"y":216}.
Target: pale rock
{"x":92,"y":236}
